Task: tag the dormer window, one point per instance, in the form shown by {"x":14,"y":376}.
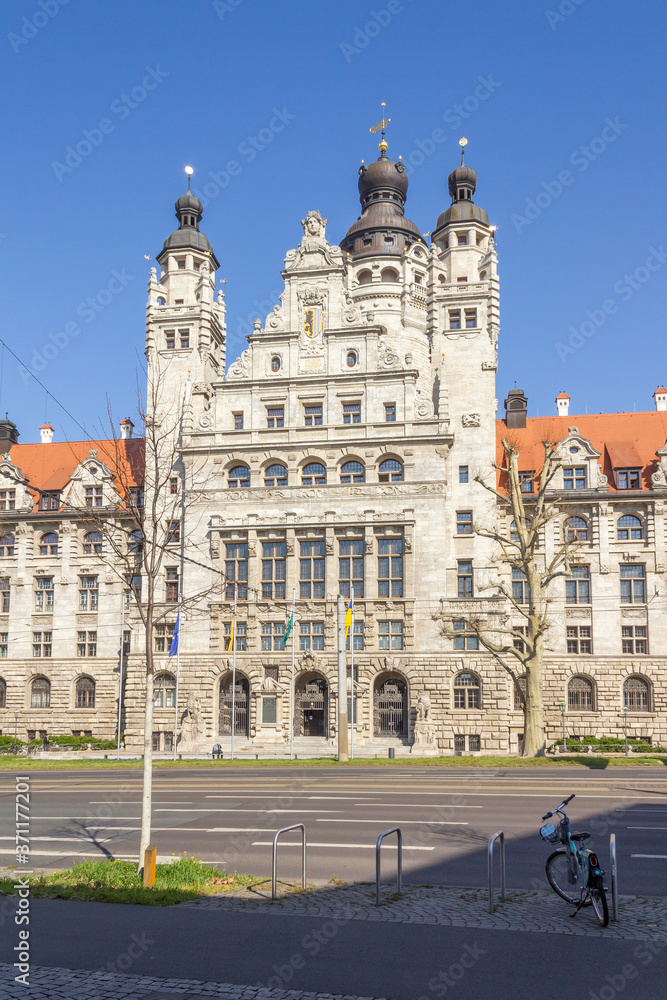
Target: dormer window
{"x":94,"y":496}
{"x":50,"y":501}
{"x":368,"y":241}
{"x":574,"y":479}
{"x":628,"y":479}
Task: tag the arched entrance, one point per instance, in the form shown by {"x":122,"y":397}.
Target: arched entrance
{"x":241,"y":705}
{"x":390,"y":707}
{"x":311,"y":706}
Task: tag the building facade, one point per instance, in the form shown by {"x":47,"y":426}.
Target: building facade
{"x":339,"y":454}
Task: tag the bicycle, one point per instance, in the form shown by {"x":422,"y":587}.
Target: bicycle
{"x":574,"y":867}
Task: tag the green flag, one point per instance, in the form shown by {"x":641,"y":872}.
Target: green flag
{"x":288,"y":630}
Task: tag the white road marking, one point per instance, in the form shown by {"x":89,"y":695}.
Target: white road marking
{"x":403,"y":822}
{"x":662,"y":856}
{"x":646,"y":828}
{"x":356,"y":847}
{"x":104,"y":840}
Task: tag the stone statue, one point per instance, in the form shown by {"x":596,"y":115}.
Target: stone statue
{"x":423,"y":708}
{"x":192,"y":725}
{"x":424,"y":743}
{"x":314,"y":227}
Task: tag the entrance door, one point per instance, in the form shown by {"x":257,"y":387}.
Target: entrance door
{"x":313,"y":722}
{"x":311,"y":708}
{"x":241,"y":699}
{"x":391,"y":708}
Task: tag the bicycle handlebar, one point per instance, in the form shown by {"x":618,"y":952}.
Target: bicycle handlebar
{"x":569,"y":799}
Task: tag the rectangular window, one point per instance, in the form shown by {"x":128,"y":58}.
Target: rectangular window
{"x":390,"y":567}
{"x":173,"y":532}
{"x":313,"y":415}
{"x":519,"y":585}
{"x":168,"y":741}
{"x":86,"y":644}
{"x":41,"y":643}
{"x":51,"y":501}
{"x":463,"y":473}
{"x":526,"y":482}
{"x":137,"y":496}
{"x":274,"y":570}
{"x":351,"y":413}
{"x":520,"y":644}
{"x":156,"y":736}
{"x":578,"y":585}
{"x":462,"y":239}
{"x":7,"y":499}
{"x":634,"y":639}
{"x":633,"y":585}
{"x":181,"y":263}
{"x":162,"y":637}
{"x":474,"y":743}
{"x":272,"y":638}
{"x":275,"y":416}
{"x":4,"y":596}
{"x":94,"y":496}
{"x":44,"y":594}
{"x":390,"y":413}
{"x":184,"y":336}
{"x":579,"y":639}
{"x":464,"y":641}
{"x":269,"y":710}
{"x":89,"y":593}
{"x":464,"y":522}
{"x":471,"y":319}
{"x":236,"y":570}
{"x":173,"y":485}
{"x":350,"y":709}
{"x":4,"y":652}
{"x":462,"y":281}
{"x":629,"y":479}
{"x":357,"y":634}
{"x":351,"y":566}
{"x":574,"y":479}
{"x":240,"y":635}
{"x":238,"y":421}
{"x":464,"y":579}
{"x":172,"y":583}
{"x":170,"y":339}
{"x":454,"y":319}
{"x":311,"y":570}
{"x":390,"y":635}
{"x":132,"y":589}
{"x":311,"y":635}
{"x":459,"y":743}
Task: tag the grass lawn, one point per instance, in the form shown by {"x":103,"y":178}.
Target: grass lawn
{"x":25,"y":765}
{"x":118,"y":882}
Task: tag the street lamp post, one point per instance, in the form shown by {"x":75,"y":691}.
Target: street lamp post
{"x":16,"y":727}
{"x":562,"y":714}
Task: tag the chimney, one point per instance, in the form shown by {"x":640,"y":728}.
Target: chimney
{"x":516,"y":407}
{"x":46,"y":431}
{"x":126,"y":428}
{"x":8,"y":435}
{"x":660,"y":398}
{"x":563,"y":404}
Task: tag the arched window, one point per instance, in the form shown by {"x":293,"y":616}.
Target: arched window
{"x":580,"y":694}
{"x":40,"y":693}
{"x":576,"y":529}
{"x":48,"y":545}
{"x":636,"y":695}
{"x":165,"y":691}
{"x":135,"y":542}
{"x":351,"y":359}
{"x":92,"y":543}
{"x":85,"y":692}
{"x":275,"y":475}
{"x":514,"y":534}
{"x":364,"y":277}
{"x":3,"y":693}
{"x":239,"y":477}
{"x":389,"y":274}
{"x":466,"y":691}
{"x":520,"y":693}
{"x":275,"y":363}
{"x":391,"y":471}
{"x":352,"y":472}
{"x":7,"y":544}
{"x":313,"y":474}
{"x":629,"y":528}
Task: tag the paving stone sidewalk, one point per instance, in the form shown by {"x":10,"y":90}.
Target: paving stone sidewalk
{"x":70,"y":984}
{"x":640,"y":918}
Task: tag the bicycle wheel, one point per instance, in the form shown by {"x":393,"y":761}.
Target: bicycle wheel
{"x":599,"y":900}
{"x":557,"y":871}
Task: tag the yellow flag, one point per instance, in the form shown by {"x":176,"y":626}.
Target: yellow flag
{"x":348,"y":618}
{"x":230,"y":647}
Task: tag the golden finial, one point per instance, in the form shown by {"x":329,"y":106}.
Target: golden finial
{"x":463,"y":142}
{"x":380,"y":127}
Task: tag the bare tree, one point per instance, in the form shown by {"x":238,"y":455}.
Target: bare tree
{"x":520,"y":648}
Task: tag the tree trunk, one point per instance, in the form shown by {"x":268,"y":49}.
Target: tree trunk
{"x":533,"y":714}
{"x":147,"y":790}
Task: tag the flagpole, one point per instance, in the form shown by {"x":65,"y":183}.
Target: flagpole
{"x":122,"y":658}
{"x":291,"y":700}
{"x":178,"y":668}
{"x":234,"y":669}
{"x":352,"y":670}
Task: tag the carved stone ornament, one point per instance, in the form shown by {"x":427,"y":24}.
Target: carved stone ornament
{"x":601,"y":479}
{"x":202,"y":389}
{"x":489,"y":366}
{"x":471,"y":419}
{"x":314,"y":226}
{"x":388,"y":358}
{"x":424,"y":406}
{"x":312,"y":295}
{"x":275,"y":320}
{"x":240,"y":368}
{"x":205,"y":421}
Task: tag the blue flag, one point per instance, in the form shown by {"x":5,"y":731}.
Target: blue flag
{"x":173,"y":649}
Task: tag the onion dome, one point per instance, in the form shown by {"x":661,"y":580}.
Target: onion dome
{"x":189,"y":211}
{"x":462,"y":184}
{"x":382,"y":228}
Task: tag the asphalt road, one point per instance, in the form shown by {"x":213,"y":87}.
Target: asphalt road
{"x":229,"y":816}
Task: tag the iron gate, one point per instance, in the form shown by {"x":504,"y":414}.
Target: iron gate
{"x":391,"y":708}
{"x":311,"y":709}
{"x":241,"y":700}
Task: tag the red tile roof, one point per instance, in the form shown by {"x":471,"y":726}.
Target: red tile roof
{"x":51,"y":466}
{"x":625,"y":440}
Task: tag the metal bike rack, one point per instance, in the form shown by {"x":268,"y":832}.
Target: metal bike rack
{"x":274,"y":866}
{"x":614,"y":877}
{"x":501,"y":837}
{"x":386,"y":833}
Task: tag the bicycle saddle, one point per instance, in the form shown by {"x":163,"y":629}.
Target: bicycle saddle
{"x":580,"y":836}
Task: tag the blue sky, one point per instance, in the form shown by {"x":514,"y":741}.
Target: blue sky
{"x":562,"y":103}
